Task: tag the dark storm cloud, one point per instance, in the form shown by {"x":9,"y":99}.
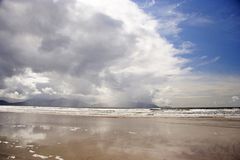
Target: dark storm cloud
{"x":19,"y":19}
{"x":43,"y":22}
{"x":47,"y":37}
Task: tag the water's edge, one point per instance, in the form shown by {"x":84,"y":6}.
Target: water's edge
{"x":109,"y":112}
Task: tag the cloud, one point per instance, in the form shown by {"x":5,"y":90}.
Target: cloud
{"x":200,"y":90}
{"x":149,"y":3}
{"x":198,"y":20}
{"x":94,"y":52}
{"x":206,"y":61}
{"x":22,"y":85}
{"x":203,"y":57}
{"x":87,"y":49}
{"x":235,"y":98}
{"x":170,"y":18}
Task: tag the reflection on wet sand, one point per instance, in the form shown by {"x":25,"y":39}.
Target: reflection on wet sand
{"x":29,"y":136}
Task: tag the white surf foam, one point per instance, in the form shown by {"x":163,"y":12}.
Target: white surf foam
{"x":59,"y":158}
{"x":40,"y":156}
{"x":108,"y":112}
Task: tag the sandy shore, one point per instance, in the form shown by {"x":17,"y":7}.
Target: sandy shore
{"x":39,"y":136}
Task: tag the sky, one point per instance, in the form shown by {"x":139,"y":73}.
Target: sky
{"x":166,"y":52}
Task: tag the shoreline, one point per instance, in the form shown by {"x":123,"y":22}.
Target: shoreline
{"x":232,"y":113}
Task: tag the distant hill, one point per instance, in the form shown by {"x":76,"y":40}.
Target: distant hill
{"x":59,"y":102}
{"x":63,"y":102}
{"x":126,"y":105}
{"x":74,"y":103}
{"x":142,"y":105}
{"x":3,"y":102}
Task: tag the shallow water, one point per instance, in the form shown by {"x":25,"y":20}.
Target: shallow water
{"x":38,"y":136}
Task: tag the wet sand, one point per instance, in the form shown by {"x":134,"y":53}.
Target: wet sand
{"x":38,"y":136}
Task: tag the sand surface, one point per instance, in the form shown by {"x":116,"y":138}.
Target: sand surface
{"x":37,"y":136}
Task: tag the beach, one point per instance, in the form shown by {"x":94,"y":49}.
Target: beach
{"x":29,"y":136}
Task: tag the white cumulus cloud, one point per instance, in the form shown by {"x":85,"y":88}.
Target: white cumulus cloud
{"x":107,"y":51}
